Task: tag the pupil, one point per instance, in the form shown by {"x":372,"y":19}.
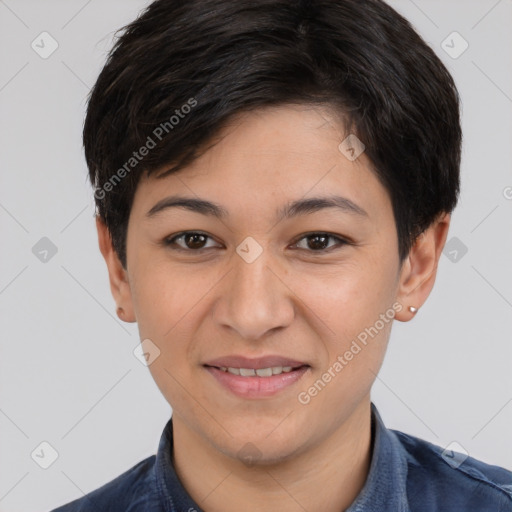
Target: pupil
{"x":315,"y":244}
{"x":195,"y":244}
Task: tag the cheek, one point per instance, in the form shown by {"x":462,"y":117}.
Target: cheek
{"x":170,"y":307}
{"x":165,"y":295}
{"x":346,"y":299}
{"x":355,"y":306}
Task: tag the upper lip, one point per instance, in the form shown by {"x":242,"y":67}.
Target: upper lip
{"x":255,"y":363}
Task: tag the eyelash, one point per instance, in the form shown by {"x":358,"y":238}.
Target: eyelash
{"x":171,"y":242}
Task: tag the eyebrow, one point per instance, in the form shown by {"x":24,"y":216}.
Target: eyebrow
{"x":292,"y":209}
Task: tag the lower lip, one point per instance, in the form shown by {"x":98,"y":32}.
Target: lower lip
{"x":257,"y":387}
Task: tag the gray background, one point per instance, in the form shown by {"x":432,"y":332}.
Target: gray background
{"x":68,"y":375}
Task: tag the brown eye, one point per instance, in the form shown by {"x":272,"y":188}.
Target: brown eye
{"x":194,"y":240}
{"x":317,"y":242}
{"x":189,"y":240}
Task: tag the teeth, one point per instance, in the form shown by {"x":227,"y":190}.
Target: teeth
{"x":264,"y":372}
{"x":260,"y":372}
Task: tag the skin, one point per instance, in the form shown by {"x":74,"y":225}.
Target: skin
{"x":293,"y":301}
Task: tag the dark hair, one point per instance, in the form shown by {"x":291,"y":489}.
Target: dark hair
{"x":183,"y":68}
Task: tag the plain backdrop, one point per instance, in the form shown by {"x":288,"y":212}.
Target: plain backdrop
{"x":68,"y":374}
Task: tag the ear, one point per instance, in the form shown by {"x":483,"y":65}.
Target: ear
{"x":119,"y":284}
{"x":419,"y":270}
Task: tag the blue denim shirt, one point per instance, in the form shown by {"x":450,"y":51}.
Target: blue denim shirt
{"x":406,"y":474}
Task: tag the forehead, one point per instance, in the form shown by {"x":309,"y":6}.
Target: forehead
{"x":265,"y":157}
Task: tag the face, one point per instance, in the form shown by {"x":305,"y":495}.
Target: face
{"x":255,"y":283}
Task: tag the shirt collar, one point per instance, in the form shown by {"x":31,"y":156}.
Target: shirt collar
{"x":383,"y":491}
{"x":173,"y":496}
{"x":385,"y":488}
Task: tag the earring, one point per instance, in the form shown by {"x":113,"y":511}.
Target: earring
{"x":120,"y":312}
{"x":412,"y":309}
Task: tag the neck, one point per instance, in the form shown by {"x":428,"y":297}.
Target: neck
{"x":327,"y":476}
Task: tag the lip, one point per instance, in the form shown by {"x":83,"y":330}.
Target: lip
{"x":256,"y":387}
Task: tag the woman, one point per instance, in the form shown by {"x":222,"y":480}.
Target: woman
{"x":274,"y":182}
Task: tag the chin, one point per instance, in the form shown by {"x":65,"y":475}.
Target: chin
{"x":262,"y":450}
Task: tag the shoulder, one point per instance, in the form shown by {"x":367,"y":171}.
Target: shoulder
{"x":121,"y":493}
{"x":441,"y":479}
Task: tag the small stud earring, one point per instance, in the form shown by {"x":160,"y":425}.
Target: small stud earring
{"x":412,"y":309}
{"x":120,"y":312}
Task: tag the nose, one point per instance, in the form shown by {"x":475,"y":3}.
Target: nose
{"x":254,"y":298}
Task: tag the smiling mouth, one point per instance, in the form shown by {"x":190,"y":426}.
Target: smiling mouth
{"x":264,"y":380}
{"x":258,"y":372}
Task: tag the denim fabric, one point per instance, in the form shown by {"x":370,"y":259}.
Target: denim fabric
{"x":406,"y":474}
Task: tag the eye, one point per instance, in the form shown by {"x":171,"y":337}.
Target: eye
{"x":188,"y":241}
{"x":318,"y":242}
{"x":195,"y":241}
